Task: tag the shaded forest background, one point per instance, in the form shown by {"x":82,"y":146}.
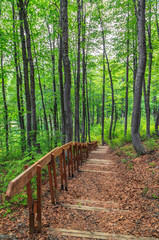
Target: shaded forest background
{"x":68,"y":73}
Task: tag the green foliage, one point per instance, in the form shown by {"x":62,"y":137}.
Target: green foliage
{"x":151,"y":144}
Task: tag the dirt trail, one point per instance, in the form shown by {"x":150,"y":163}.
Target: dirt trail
{"x":102,"y":202}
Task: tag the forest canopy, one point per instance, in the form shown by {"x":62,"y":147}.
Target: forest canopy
{"x":69,"y":70}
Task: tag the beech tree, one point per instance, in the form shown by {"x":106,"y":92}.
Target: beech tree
{"x":135,"y":124}
{"x":67,"y":71}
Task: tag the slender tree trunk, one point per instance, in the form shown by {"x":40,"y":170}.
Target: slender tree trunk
{"x":135,"y":124}
{"x":67,"y":71}
{"x":88,"y":112}
{"x":52,"y":50}
{"x":147,"y":93}
{"x":103,"y":98}
{"x":63,"y":128}
{"x":32,"y":80}
{"x":115,"y":120}
{"x":110,"y":76}
{"x":42,"y":97}
{"x":5,"y":104}
{"x":51,"y":129}
{"x":127,"y":76}
{"x":77,"y":86}
{"x":156,"y":16}
{"x":84,"y":75}
{"x":19,"y":89}
{"x":134,"y":57}
{"x":157,"y":123}
{"x":26,"y":80}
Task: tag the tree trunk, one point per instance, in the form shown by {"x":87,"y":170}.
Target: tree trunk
{"x":157,"y":123}
{"x":32,"y":80}
{"x":26,"y":80}
{"x":134,"y":57}
{"x":156,"y":17}
{"x":110,"y":75}
{"x":19,"y":88}
{"x":52,"y":50}
{"x":103,"y":98}
{"x":127,"y":76}
{"x":77,"y":86}
{"x":63,"y":127}
{"x":42,"y":98}
{"x":135,"y":124}
{"x":67,"y":72}
{"x":84,"y":75}
{"x":88,"y":112}
{"x":5,"y":104}
{"x":147,"y":93}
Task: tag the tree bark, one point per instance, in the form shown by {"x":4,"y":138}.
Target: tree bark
{"x":5,"y":105}
{"x":63,"y":127}
{"x":67,"y":72}
{"x":110,"y":76}
{"x":26,"y":80}
{"x":156,"y":17}
{"x":84,"y":75}
{"x":52,"y":50}
{"x":147,"y":92}
{"x":127,"y":76}
{"x":19,"y":88}
{"x":103,"y":98}
{"x":77,"y":86}
{"x":135,"y":124}
{"x":157,"y":123}
{"x":32,"y":80}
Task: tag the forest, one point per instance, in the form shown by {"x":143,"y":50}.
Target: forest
{"x":80,"y":70}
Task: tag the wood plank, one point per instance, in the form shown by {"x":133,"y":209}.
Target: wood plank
{"x":67,"y":145}
{"x":94,"y":235}
{"x":99,"y":152}
{"x":95,"y":171}
{"x":93,"y":201}
{"x":39,"y":215}
{"x":88,"y":208}
{"x":101,"y":160}
{"x":58,"y":152}
{"x":21,"y":180}
{"x":96,"y":165}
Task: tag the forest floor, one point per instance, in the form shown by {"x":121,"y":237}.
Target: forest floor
{"x":111,"y":194}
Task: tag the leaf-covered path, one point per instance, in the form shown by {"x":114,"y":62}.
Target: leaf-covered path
{"x":104,"y":200}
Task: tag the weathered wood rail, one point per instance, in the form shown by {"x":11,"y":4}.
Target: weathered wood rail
{"x":76,"y":154}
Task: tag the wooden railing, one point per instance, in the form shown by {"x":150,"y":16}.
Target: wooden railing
{"x":76,"y":154}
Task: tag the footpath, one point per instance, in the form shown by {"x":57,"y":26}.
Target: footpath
{"x":99,"y":204}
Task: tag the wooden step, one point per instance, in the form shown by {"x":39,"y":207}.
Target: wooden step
{"x":93,"y":235}
{"x":100,"y":160}
{"x":92,"y":201}
{"x":96,"y":165}
{"x":88,"y":208}
{"x":95,"y":171}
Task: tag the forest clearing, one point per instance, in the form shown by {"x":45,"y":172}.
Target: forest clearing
{"x":79,"y":111}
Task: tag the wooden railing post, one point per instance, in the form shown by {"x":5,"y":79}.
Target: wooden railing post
{"x":65,"y":173}
{"x":74,"y":157}
{"x":71,"y":161}
{"x":81,"y":155}
{"x":61,"y":172}
{"x":53,"y":163}
{"x":51,"y":183}
{"x":86,"y":151}
{"x":39,"y":226}
{"x":77,"y":156}
{"x":68,"y":157}
{"x":30,"y":206}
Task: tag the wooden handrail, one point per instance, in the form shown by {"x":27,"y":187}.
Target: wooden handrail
{"x":74,"y":159}
{"x":21,"y":180}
